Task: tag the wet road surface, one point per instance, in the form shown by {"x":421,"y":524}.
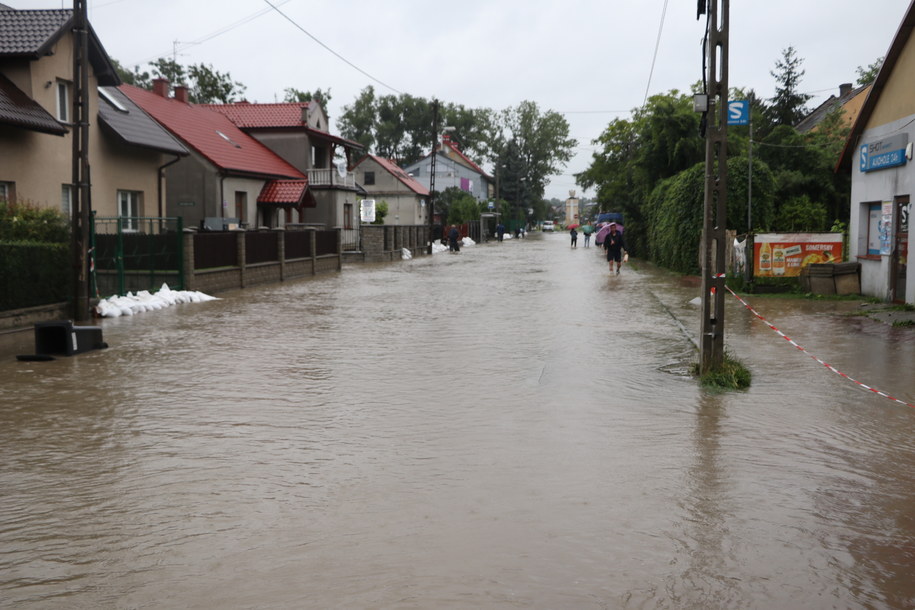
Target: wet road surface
{"x":510,"y":427}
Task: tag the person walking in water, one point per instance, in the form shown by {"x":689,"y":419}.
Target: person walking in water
{"x":574,"y":235}
{"x":615,"y":246}
{"x":587,"y":231}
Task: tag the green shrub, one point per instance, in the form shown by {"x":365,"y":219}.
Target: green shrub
{"x":33,"y":274}
{"x":25,"y":221}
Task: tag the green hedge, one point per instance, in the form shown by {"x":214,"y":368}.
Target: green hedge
{"x":33,"y":273}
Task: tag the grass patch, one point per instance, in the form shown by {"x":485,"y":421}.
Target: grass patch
{"x":731,"y":375}
{"x":904,"y":323}
{"x":901,"y":307}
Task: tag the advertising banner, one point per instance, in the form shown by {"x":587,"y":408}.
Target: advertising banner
{"x":785,"y":254}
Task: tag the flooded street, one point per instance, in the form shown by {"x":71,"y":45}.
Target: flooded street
{"x":510,"y":427}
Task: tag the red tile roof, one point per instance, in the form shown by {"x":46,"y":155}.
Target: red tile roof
{"x":398,"y":173}
{"x":212,"y":135}
{"x":285,"y":115}
{"x":283,"y":192}
{"x":255,"y":116}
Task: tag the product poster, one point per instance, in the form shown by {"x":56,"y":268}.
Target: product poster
{"x":785,"y":254}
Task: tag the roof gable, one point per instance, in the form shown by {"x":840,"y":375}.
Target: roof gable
{"x":32,"y":35}
{"x":900,"y":41}
{"x":212,"y":135}
{"x":398,"y":173}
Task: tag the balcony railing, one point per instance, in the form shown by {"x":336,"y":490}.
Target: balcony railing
{"x":330,"y":177}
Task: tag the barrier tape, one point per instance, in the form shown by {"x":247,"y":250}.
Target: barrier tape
{"x":827,"y":365}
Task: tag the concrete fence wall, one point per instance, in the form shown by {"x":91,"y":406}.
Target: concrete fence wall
{"x":382,"y":243}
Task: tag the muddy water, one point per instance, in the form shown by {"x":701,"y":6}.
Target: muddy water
{"x":510,"y":427}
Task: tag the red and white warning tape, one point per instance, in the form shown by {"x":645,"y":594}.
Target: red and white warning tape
{"x":827,"y":365}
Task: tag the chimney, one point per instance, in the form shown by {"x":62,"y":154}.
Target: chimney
{"x":844,"y":89}
{"x":181,"y":93}
{"x":160,"y":87}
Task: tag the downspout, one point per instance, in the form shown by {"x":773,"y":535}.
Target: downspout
{"x":161,"y":175}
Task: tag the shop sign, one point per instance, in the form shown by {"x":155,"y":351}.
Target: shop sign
{"x":884,"y":154}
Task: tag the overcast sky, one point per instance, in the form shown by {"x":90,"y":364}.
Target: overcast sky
{"x":588,"y":59}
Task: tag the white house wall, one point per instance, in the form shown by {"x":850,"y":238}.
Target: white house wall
{"x":448,"y":173}
{"x":879,"y":186}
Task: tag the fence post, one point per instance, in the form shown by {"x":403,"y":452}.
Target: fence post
{"x":281,"y":251}
{"x":339,"y":249}
{"x":313,"y":246}
{"x":242,"y":256}
{"x":188,"y":246}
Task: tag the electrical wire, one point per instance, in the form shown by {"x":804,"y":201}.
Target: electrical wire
{"x":340,"y":57}
{"x":657,"y":46}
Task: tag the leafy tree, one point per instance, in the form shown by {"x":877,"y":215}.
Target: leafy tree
{"x":205,"y":84}
{"x":291,"y":94}
{"x":26,"y":221}
{"x":210,"y":86}
{"x":358,"y":120}
{"x":463,"y":207}
{"x":801,"y":214}
{"x":381,"y":210}
{"x":867,"y":75}
{"x":788,"y":105}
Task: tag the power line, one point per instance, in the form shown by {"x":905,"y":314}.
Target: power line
{"x":656,"y":47}
{"x":348,"y":62}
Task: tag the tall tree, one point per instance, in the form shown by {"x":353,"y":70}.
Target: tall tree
{"x":210,"y":86}
{"x":867,"y":75}
{"x":789,"y":104}
{"x":358,"y":120}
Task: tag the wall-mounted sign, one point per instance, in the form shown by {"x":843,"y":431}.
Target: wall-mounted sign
{"x":884,"y":154}
{"x":186,"y":204}
{"x":367,"y":210}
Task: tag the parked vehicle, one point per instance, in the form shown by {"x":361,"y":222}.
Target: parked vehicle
{"x":548,"y":226}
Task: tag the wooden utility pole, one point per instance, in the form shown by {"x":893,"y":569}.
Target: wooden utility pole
{"x":80,"y":179}
{"x":432,"y":172}
{"x":714,"y":242}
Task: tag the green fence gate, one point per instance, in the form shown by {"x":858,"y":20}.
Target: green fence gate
{"x":129,"y":254}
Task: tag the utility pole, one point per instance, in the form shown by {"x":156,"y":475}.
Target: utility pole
{"x":711,"y":350}
{"x":80,"y":177}
{"x":432,"y":171}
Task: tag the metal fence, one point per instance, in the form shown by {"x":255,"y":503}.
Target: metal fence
{"x":133,"y":254}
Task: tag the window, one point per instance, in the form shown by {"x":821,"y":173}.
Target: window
{"x":128,"y":209}
{"x":63,"y":101}
{"x":7,"y":191}
{"x":369,"y":178}
{"x":347,"y":215}
{"x":66,"y":199}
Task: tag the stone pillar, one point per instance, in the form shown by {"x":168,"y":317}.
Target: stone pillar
{"x":188,"y":269}
{"x":281,"y":251}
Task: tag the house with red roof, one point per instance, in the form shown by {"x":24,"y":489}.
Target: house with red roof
{"x":385,"y":182}
{"x":127,"y":150}
{"x":453,"y":169}
{"x":298,"y":132}
{"x":878,"y":154}
{"x":229,"y":177}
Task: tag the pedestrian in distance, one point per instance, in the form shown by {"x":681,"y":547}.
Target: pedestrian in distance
{"x":574,"y":235}
{"x":615,"y":247}
{"x":500,"y":231}
{"x":453,"y":236}
{"x":587,"y":233}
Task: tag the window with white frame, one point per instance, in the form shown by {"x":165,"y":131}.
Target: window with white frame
{"x":63,"y":101}
{"x":66,"y":199}
{"x":128,"y":209}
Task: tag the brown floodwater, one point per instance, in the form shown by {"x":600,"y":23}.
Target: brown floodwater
{"x":510,"y":427}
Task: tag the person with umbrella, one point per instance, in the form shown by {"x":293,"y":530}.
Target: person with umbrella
{"x":574,"y":235}
{"x":615,"y":246}
{"x":587,"y":230}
